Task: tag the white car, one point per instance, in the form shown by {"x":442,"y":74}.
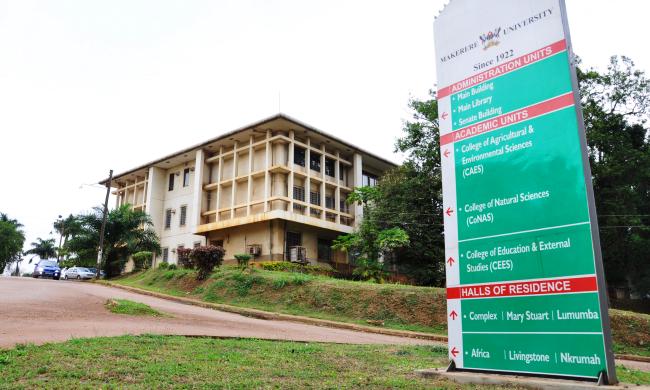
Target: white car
{"x":78,"y":273}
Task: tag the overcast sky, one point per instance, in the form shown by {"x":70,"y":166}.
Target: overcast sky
{"x":86,"y":86}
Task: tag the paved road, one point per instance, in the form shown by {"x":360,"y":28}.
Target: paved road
{"x":39,"y":311}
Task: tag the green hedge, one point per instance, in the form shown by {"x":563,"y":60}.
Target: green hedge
{"x":285,"y":266}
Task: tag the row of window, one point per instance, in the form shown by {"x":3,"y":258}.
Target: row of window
{"x":186,"y":179}
{"x":183,"y":217}
{"x":292,"y":239}
{"x":314,"y":198}
{"x":315,"y":162}
{"x":165,"y":251}
{"x":369,"y":179}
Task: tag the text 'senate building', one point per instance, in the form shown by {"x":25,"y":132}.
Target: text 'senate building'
{"x":275,"y":189}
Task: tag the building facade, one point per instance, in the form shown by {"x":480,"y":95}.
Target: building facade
{"x":275,"y":189}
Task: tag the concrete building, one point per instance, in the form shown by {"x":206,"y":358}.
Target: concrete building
{"x":275,"y":189}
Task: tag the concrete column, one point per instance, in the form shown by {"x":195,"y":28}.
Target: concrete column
{"x":357,"y":179}
{"x":322,"y":185}
{"x":235,"y":160}
{"x":337,"y":190}
{"x":218,"y":200}
{"x":250,"y":177}
{"x":197,"y":194}
{"x":267,"y":165}
{"x":291,"y":147}
{"x":155,"y":197}
{"x":308,"y":178}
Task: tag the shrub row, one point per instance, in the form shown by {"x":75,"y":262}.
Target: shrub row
{"x":285,"y":266}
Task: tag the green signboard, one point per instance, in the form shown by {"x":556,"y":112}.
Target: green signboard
{"x":525,"y":285}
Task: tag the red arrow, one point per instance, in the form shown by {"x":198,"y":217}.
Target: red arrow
{"x":450,"y":261}
{"x":454,"y":352}
{"x":446,"y":153}
{"x":444,"y":116}
{"x":449,"y":211}
{"x":453,"y":314}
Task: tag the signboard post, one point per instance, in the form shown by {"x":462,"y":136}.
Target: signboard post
{"x":525,"y":283}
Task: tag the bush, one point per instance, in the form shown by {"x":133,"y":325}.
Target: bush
{"x":163,"y":265}
{"x":184,"y":259}
{"x":242,"y":260}
{"x":205,"y":258}
{"x":142,"y":260}
{"x":172,"y":267}
{"x":370,"y":270}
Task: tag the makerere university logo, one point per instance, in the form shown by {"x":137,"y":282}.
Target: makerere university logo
{"x":491,"y":38}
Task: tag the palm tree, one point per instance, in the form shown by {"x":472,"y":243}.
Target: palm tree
{"x":67,"y":227}
{"x":43,"y":248}
{"x":127,"y":231}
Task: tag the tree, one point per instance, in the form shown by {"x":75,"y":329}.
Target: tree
{"x":615,"y":107}
{"x":44,"y":249}
{"x":411,"y":201}
{"x":127,"y":232}
{"x":412,"y":196}
{"x":12,"y":239}
{"x":370,"y":243}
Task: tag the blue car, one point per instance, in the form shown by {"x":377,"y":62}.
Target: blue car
{"x":47,"y":268}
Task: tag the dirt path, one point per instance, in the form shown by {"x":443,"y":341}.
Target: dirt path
{"x":39,"y":311}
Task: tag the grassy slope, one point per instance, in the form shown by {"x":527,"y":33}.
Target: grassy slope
{"x":401,"y":307}
{"x":171,"y":361}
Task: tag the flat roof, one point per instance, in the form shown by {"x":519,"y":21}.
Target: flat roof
{"x":250,"y":126}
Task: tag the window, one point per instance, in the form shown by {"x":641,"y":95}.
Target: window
{"x":314,"y":198}
{"x":186,"y":177}
{"x":314,"y":161}
{"x":168,"y":218}
{"x":165,"y":256}
{"x":329,"y":202}
{"x":344,"y":207}
{"x":197,"y":244}
{"x":368,"y":180}
{"x":299,"y":156}
{"x":217,"y":243}
{"x":171,"y":182}
{"x":324,"y":250}
{"x":183,"y":218}
{"x":329,"y":167}
{"x":299,"y":193}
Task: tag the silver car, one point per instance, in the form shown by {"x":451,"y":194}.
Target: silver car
{"x":78,"y":273}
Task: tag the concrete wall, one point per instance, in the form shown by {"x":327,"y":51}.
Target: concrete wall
{"x":177,"y":235}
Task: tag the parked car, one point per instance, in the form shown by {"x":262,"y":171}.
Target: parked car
{"x":78,"y":273}
{"x":102,"y":274}
{"x":47,"y":268}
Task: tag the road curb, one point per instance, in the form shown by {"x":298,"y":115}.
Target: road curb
{"x":266,"y":315}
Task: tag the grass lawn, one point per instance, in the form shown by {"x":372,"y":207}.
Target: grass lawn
{"x":398,"y":306}
{"x":125,"y":306}
{"x":421,"y":309}
{"x":173,"y":361}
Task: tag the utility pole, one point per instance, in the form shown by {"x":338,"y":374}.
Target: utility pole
{"x":62,"y":226}
{"x":100,"y":252}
